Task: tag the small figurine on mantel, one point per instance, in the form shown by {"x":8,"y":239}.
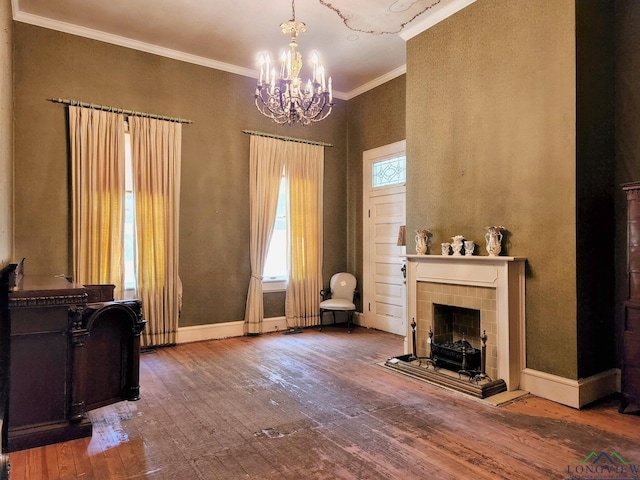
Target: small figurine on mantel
{"x":422,"y":241}
{"x":456,"y":245}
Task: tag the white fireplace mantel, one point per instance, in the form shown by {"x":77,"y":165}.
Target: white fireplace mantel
{"x":505,"y":274}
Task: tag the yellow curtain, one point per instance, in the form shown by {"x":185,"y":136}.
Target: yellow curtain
{"x":156,"y":158}
{"x":97,"y":177}
{"x":304,"y":172}
{"x":265,"y":172}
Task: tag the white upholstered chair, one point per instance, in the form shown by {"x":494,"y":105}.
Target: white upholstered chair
{"x":339,"y":297}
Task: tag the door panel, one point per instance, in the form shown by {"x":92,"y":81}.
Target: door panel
{"x":386,"y":302}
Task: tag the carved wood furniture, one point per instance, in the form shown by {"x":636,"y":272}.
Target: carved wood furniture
{"x":631,"y":335}
{"x":66,"y":356}
{"x":5,"y":275}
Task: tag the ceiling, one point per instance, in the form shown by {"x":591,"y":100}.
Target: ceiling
{"x":361,"y":43}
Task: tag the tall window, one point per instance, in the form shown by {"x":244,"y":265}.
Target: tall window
{"x":142,"y":182}
{"x":276,"y":267}
{"x":129,"y":221}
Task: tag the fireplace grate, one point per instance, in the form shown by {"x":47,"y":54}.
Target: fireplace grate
{"x":450,"y":355}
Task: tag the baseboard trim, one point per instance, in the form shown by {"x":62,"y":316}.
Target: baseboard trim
{"x":217,"y":331}
{"x":573,"y":393}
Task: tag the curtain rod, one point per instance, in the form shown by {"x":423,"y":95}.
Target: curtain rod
{"x":287,"y":139}
{"x":106,"y":108}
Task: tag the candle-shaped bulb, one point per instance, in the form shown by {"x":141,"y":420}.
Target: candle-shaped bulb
{"x":267,"y":69}
{"x":330,"y":92}
{"x":283,"y":61}
{"x":315,"y":66}
{"x":261,"y":62}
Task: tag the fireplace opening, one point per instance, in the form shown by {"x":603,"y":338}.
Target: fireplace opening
{"x":456,"y":342}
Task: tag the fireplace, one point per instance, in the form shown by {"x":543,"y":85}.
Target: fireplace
{"x":455,"y":331}
{"x":452,"y":296}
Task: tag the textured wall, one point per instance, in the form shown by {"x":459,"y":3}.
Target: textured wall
{"x":375,"y":118}
{"x":491,"y":121}
{"x":214,"y":222}
{"x":6,"y":135}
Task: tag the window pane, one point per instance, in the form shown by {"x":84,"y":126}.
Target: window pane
{"x":129,"y":220}
{"x":276,"y":262}
{"x":389,"y":172}
{"x":129,"y":242}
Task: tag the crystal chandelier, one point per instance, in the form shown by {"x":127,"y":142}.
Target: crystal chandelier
{"x":281,"y":96}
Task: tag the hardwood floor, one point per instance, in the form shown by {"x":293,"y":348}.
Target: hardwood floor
{"x":316,"y":405}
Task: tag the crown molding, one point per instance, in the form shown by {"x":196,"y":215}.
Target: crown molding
{"x":434,"y":16}
{"x":93,"y":34}
{"x":376,"y":82}
{"x":65,"y":27}
{"x":72,"y":29}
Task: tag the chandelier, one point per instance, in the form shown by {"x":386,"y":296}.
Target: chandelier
{"x":281,"y":96}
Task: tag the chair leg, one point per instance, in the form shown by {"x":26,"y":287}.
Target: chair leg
{"x":321,"y":312}
{"x":350,"y":322}
{"x":334,"y":317}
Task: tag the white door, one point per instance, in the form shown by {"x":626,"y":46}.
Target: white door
{"x":384,"y":290}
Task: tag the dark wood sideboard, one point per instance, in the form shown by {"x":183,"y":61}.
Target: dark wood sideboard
{"x":70,"y":348}
{"x":631,"y":335}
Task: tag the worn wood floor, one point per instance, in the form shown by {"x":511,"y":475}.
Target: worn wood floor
{"x":316,"y":405}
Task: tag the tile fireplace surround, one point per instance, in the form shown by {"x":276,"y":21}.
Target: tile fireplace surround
{"x":493,"y":285}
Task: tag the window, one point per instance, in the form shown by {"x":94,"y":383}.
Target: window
{"x":129,"y":222}
{"x":389,"y":172}
{"x":276,"y":269}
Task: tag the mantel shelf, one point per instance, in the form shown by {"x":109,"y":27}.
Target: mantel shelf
{"x":460,"y":258}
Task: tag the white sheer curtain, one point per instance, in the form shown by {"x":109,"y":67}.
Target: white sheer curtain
{"x":156,"y":158}
{"x":304,"y":173}
{"x":266,"y":160}
{"x":97,"y":172}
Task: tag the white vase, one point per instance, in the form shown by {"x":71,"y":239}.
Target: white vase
{"x":493,"y":237}
{"x":469,"y":247}
{"x":422,"y":238}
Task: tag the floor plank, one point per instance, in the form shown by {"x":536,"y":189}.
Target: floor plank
{"x":317,"y":405}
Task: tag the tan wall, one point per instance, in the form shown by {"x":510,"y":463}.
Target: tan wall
{"x":6,"y":135}
{"x":214,"y":223}
{"x":491,"y":120}
{"x":376,"y":118}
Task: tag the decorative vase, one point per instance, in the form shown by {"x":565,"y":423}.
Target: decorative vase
{"x":493,"y":237}
{"x":422,"y":241}
{"x":445,"y":248}
{"x":469,"y":247}
{"x":456,"y":245}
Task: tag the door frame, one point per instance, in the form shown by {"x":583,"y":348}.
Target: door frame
{"x":368,"y":157}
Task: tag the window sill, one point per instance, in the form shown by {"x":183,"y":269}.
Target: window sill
{"x":274,"y":286}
